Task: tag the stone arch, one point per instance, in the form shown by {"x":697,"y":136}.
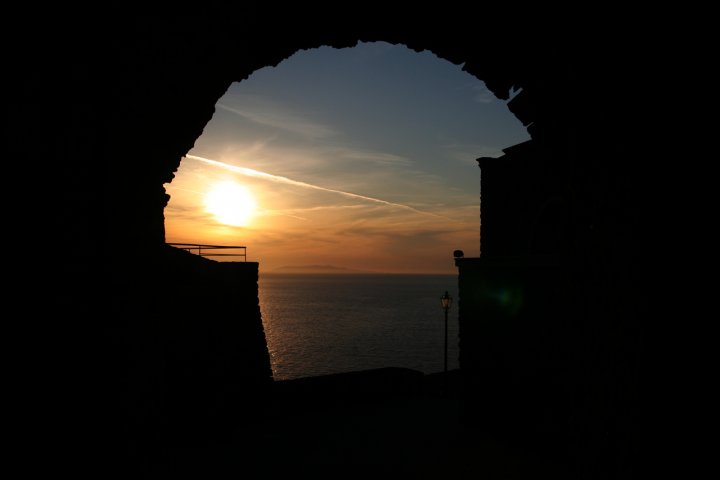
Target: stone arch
{"x":163,"y":75}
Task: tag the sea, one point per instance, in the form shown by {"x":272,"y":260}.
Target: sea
{"x":320,"y":324}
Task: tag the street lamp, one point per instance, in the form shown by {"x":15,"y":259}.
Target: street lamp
{"x":446,"y":301}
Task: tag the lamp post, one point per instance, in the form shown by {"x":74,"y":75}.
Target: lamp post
{"x":446,"y":301}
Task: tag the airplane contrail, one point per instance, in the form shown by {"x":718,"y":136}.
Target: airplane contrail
{"x":250,"y":172}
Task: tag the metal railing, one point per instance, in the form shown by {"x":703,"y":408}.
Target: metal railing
{"x":208,"y":250}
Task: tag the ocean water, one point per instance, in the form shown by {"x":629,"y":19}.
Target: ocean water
{"x":332,"y":323}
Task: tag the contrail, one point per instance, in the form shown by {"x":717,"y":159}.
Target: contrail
{"x":249,"y":172}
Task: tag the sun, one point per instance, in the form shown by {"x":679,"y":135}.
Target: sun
{"x":231,"y":203}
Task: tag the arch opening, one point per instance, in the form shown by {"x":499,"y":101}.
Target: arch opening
{"x":360,"y":160}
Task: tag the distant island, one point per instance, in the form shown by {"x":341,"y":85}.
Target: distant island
{"x":316,"y":269}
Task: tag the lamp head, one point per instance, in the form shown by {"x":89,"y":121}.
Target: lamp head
{"x":446,"y":300}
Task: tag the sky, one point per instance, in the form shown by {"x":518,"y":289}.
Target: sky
{"x":359,"y":158}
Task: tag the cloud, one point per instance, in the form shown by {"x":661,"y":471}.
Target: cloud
{"x":467,"y":153}
{"x":275,"y":118}
{"x":294,"y":212}
{"x":182,"y":213}
{"x":380,"y":158}
{"x":287,"y":181}
{"x":408,"y":234}
{"x":482,"y":94}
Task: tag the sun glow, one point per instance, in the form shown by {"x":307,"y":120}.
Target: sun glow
{"x":231,"y":203}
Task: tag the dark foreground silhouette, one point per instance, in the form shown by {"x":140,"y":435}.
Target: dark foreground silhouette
{"x":133,"y":367}
{"x":385,"y":421}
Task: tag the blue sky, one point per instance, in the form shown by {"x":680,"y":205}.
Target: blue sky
{"x":362,"y":158}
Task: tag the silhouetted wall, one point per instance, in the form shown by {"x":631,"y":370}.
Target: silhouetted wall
{"x":184,"y":359}
{"x":525,"y":206}
{"x":528,"y":365}
{"x":215,"y":367}
{"x":545,"y":348}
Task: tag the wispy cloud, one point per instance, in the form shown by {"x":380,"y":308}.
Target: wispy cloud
{"x":482,"y":95}
{"x":468,"y":153}
{"x":288,"y":181}
{"x":275,"y":118}
{"x":295,"y":212}
{"x":380,"y":158}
